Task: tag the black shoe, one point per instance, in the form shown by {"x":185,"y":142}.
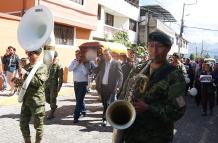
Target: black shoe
{"x":104,"y":123}
{"x":75,"y":121}
{"x":211,"y":113}
{"x":83,"y":113}
{"x":204,"y":114}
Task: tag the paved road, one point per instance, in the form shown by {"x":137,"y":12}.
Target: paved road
{"x":61,"y":129}
{"x":192,"y":128}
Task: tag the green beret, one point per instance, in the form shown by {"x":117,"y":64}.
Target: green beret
{"x":160,"y":37}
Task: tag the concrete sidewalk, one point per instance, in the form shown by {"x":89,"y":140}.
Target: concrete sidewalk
{"x":6,"y":99}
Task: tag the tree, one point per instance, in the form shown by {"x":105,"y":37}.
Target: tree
{"x":207,"y":56}
{"x":123,"y":38}
{"x":192,"y":56}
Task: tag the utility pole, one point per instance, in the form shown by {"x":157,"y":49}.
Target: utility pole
{"x":202,"y":48}
{"x":182,"y":25}
{"x":196,"y":50}
{"x":182,"y":21}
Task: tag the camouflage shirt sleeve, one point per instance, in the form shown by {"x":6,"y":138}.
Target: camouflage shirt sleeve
{"x":167,"y":98}
{"x":60,"y":75}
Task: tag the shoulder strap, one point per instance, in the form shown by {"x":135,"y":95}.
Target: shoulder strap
{"x":164,"y":73}
{"x":27,"y":81}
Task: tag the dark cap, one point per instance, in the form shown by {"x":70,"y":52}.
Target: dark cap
{"x":39,"y":51}
{"x":55,"y":54}
{"x":160,"y":37}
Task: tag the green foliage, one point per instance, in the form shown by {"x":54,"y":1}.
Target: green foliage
{"x":123,"y":38}
{"x":192,"y":56}
{"x":139,"y":50}
{"x":207,"y":56}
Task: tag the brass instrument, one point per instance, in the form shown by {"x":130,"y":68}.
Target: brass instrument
{"x":35,"y":31}
{"x":121,"y":114}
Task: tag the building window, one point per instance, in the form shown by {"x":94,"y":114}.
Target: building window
{"x":64,"y":35}
{"x":132,"y":25}
{"x":109,"y":19}
{"x":99,"y":12}
{"x":78,"y":1}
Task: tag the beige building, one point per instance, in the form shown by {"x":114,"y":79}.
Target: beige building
{"x":74,"y":21}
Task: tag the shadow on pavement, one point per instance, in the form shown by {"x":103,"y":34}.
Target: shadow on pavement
{"x":13,"y":116}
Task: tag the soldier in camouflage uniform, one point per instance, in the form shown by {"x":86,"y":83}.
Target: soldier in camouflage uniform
{"x":157,"y":94}
{"x":34,"y":98}
{"x":53,"y":84}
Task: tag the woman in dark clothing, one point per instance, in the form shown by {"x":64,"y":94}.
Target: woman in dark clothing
{"x":207,"y":90}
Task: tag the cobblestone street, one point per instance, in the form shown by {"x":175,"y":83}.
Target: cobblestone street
{"x":192,"y":128}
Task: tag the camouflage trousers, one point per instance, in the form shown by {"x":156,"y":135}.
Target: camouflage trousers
{"x":51,"y":94}
{"x":38,"y":114}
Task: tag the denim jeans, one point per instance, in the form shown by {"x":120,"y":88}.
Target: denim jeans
{"x":5,"y":83}
{"x":80,"y":92}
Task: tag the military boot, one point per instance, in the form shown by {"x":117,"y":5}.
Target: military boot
{"x":27,"y":139}
{"x":38,"y":139}
{"x":51,"y":114}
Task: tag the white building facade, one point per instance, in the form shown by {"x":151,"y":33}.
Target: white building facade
{"x":156,"y":18}
{"x":115,"y":16}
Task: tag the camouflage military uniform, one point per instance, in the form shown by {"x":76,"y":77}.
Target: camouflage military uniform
{"x":53,"y":84}
{"x":34,"y":102}
{"x":164,"y":95}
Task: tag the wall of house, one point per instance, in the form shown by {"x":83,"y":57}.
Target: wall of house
{"x":71,"y":13}
{"x":122,"y":7}
{"x":8,"y":37}
{"x":83,"y":18}
{"x":15,"y":6}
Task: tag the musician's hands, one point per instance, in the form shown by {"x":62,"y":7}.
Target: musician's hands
{"x":140,"y":106}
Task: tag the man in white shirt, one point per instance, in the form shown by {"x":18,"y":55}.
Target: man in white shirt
{"x":108,"y":80}
{"x":80,"y":78}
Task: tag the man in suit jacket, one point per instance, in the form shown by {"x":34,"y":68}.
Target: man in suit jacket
{"x":108,"y":80}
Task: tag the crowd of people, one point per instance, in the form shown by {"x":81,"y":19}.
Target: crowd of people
{"x":156,"y":86}
{"x":9,"y":69}
{"x":203,"y":76}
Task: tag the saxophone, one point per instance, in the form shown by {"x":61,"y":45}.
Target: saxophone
{"x":121,"y":114}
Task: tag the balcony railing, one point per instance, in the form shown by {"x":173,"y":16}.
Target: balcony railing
{"x":110,"y":31}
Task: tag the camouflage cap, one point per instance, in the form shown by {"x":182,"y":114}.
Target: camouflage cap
{"x":38,"y":52}
{"x":160,"y":37}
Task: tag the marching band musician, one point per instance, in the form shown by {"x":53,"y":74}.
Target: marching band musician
{"x":34,"y":99}
{"x":53,"y":84}
{"x":162,"y":103}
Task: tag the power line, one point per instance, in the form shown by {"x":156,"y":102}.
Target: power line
{"x":201,"y":28}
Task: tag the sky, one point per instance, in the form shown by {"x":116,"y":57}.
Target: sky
{"x":203,"y":14}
